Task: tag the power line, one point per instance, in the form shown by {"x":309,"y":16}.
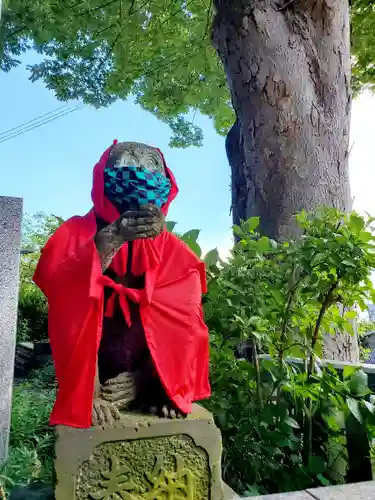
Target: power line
{"x":22,"y":131}
{"x":31,"y":121}
{"x":59,"y":112}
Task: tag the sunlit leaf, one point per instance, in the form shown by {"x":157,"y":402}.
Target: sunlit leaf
{"x":354,"y":409}
{"x":193,"y":234}
{"x":212,"y":258}
{"x":170,"y":225}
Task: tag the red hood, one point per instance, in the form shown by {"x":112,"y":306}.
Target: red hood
{"x":103,"y":207}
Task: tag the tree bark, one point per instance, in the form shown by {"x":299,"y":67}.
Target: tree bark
{"x":288,"y":68}
{"x":288,"y":71}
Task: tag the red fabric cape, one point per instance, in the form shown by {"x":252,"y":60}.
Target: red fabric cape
{"x":69,"y":274}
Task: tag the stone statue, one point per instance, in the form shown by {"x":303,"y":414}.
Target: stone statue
{"x":125,"y":318}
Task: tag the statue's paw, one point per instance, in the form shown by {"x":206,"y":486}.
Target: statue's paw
{"x":166,"y":411}
{"x":104,"y":414}
{"x":120,"y":391}
{"x":124,"y":380}
{"x":121,"y":398}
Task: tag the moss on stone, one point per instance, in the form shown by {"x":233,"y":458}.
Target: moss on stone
{"x":135,"y":459}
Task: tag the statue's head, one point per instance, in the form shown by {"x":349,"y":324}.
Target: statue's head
{"x":123,"y":154}
{"x":135,"y":175}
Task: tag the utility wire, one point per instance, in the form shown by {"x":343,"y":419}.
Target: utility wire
{"x":31,"y":121}
{"x":59,"y":112}
{"x":22,"y":129}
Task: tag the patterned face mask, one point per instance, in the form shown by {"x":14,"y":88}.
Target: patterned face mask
{"x":132,"y":187}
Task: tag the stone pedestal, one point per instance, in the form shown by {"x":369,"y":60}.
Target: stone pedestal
{"x":141,"y":458}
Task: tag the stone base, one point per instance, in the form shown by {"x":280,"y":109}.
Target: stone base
{"x":141,"y":458}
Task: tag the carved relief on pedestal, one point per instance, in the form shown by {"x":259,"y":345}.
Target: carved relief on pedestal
{"x":164,"y":468}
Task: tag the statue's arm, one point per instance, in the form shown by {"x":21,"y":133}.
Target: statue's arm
{"x":147,"y":222}
{"x":108,"y":242}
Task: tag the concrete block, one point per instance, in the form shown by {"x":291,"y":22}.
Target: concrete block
{"x":357,"y":491}
{"x":298,"y":495}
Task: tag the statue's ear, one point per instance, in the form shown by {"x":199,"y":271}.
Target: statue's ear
{"x":113,"y":155}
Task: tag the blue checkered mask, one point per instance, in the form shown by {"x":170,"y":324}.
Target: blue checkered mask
{"x":131,"y":187}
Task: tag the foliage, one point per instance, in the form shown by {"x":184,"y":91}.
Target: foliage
{"x":191,"y":239}
{"x":363,"y":328}
{"x":363,"y":43}
{"x":282,"y":298}
{"x":160,"y":52}
{"x":31,"y":438}
{"x":32,"y":305}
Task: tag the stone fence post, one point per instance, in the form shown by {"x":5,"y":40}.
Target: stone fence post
{"x":10,"y":239}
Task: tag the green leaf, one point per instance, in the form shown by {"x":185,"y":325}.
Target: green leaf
{"x":348,"y":263}
{"x":193,"y":234}
{"x":170,"y":225}
{"x":60,"y":220}
{"x":349,"y":370}
{"x":370,"y":407}
{"x":212,"y":258}
{"x":193,"y":245}
{"x":323,"y":480}
{"x":233,"y":286}
{"x":354,"y":409}
{"x":316,"y":464}
{"x":252,"y":492}
{"x":351,"y":314}
{"x":263,"y":244}
{"x":320,"y":257}
{"x":281,"y":440}
{"x":292,"y":423}
{"x":358,"y":384}
{"x":252,"y":223}
{"x":277,"y":295}
{"x":356,"y":222}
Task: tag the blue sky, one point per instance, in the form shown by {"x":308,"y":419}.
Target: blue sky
{"x":51,"y":167}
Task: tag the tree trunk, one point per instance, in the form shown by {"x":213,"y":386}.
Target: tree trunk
{"x":288,"y":68}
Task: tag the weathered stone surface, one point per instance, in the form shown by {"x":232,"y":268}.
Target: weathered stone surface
{"x":10,"y":236}
{"x":229,"y":494}
{"x":299,"y":495}
{"x":139,"y":458}
{"x":358,"y":491}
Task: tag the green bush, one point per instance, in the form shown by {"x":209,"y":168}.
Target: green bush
{"x":31,"y":444}
{"x":280,"y":422}
{"x":32,"y":305}
{"x":32,"y":315}
{"x":365,"y":327}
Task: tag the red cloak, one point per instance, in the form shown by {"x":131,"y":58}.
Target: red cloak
{"x":69,"y":274}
